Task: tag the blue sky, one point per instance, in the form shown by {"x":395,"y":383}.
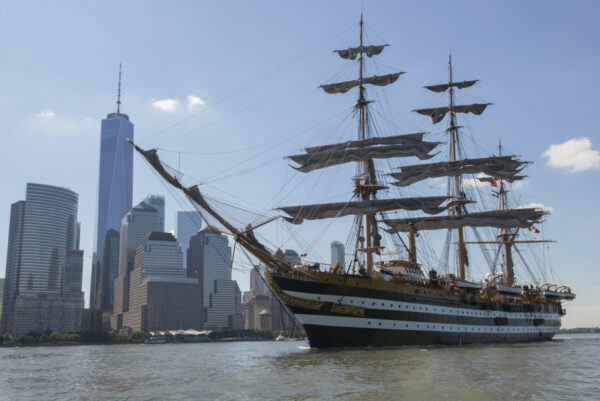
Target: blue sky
{"x":240,"y":79}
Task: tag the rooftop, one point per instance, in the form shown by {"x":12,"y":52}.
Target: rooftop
{"x":160,"y":236}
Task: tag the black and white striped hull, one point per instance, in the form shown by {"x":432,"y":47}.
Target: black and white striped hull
{"x":340,"y":316}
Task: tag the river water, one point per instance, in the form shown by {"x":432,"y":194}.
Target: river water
{"x":567,"y":368}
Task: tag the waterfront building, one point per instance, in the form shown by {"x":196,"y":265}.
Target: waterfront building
{"x":160,"y":295}
{"x":42,"y":236}
{"x":141,"y":220}
{"x":115,"y":189}
{"x":72,"y":295}
{"x":209,"y":260}
{"x":338,"y":254}
{"x":187,"y":225}
{"x":224,"y":307}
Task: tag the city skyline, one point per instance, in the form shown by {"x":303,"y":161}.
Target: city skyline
{"x":62,"y":121}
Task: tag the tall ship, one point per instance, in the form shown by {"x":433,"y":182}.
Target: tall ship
{"x":386,"y":295}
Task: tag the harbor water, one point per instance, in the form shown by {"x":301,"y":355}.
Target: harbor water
{"x":567,"y":368}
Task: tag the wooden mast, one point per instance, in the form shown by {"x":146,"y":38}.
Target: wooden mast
{"x":506,"y":234}
{"x":456,"y":184}
{"x":365,"y":192}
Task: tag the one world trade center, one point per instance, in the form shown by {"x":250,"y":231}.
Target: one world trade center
{"x":115,"y":189}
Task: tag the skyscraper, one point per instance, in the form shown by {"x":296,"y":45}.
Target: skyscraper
{"x":337,"y":253}
{"x":71,"y":291}
{"x":157,"y":202}
{"x":42,"y":234}
{"x":161,"y":296}
{"x":210,"y":256}
{"x":159,"y":256}
{"x":187,"y":225}
{"x":141,"y":220}
{"x":209,"y":259}
{"x":115,"y":189}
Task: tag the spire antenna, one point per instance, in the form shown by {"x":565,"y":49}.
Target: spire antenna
{"x":119,"y":92}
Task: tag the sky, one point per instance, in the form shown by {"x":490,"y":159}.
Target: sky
{"x":234,"y":86}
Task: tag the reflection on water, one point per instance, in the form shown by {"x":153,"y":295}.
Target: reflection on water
{"x":566,"y":368}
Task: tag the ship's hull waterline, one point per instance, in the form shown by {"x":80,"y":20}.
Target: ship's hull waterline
{"x":355,"y":313}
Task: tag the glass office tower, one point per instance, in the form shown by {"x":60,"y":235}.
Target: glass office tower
{"x":42,"y":234}
{"x":115,"y":190}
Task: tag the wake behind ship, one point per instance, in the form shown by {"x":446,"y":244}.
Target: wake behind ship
{"x":378,"y":300}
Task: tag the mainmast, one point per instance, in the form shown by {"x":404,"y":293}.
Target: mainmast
{"x":367,"y":176}
{"x":456,"y":192}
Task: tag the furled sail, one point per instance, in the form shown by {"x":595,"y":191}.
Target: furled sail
{"x":430,"y":205}
{"x":444,"y":87}
{"x":372,"y":148}
{"x":499,"y":167}
{"x":523,"y":218}
{"x":378,"y":80}
{"x":384,"y":140}
{"x":437,"y":114}
{"x":351,"y":53}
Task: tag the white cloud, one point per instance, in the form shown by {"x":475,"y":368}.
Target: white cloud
{"x":574,"y":155}
{"x":474,"y":182}
{"x":167,"y":105}
{"x":516,"y":185}
{"x":194,"y":101}
{"x":46,"y":114}
{"x":49,"y":123}
{"x":536,"y":205}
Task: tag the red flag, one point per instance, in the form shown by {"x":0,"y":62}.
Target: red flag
{"x":493,"y":183}
{"x":534,"y":230}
